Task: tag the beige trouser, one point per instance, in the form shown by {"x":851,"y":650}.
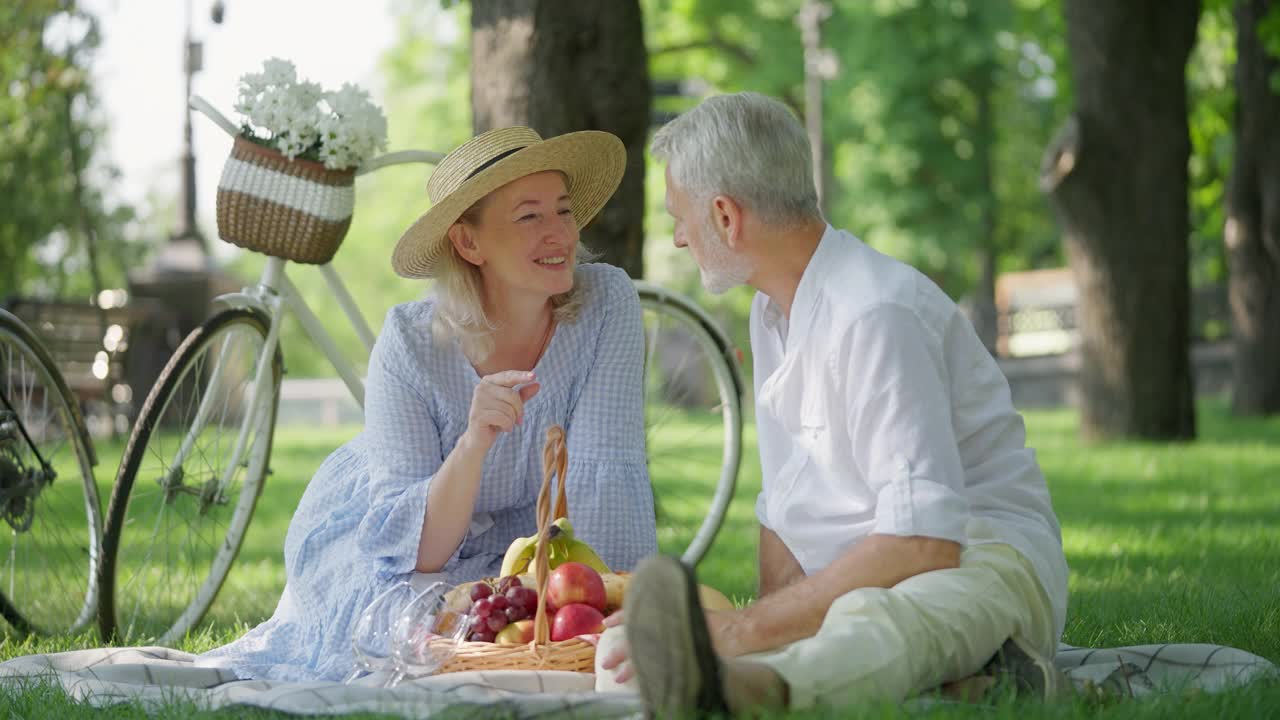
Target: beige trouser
{"x":891,"y":643}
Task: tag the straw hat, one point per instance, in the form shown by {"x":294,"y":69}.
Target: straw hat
{"x":593,"y":161}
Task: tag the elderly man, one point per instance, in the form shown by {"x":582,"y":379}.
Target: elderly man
{"x":907,"y":538}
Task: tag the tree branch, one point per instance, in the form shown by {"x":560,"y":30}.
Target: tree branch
{"x":714,"y":42}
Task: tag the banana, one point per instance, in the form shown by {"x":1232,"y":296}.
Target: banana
{"x":576,"y":550}
{"x":519,"y":555}
{"x":562,"y":547}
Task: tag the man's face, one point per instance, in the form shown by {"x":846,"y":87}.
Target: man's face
{"x":695,"y":228}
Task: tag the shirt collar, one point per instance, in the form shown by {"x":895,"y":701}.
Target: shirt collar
{"x":808,"y":292}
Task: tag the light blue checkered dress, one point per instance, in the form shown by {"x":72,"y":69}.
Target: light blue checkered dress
{"x":358,"y":525}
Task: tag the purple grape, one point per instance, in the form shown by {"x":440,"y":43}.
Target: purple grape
{"x":525,"y":597}
{"x":483,"y":608}
{"x":508,"y":582}
{"x":486,"y":636}
{"x":500,"y":602}
{"x":480,"y":591}
{"x":517,"y":612}
{"x":497,"y":621}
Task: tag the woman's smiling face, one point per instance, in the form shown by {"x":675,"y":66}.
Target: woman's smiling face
{"x":524,"y":237}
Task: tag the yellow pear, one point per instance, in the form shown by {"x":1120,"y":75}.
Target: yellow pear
{"x":615,"y":589}
{"x":713,"y":599}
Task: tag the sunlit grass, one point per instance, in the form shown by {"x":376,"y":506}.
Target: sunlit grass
{"x":1167,"y":543}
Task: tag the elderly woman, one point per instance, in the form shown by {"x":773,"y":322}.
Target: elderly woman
{"x":515,"y":337}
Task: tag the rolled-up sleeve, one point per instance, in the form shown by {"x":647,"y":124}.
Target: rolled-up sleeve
{"x":899,"y":421}
{"x":404,"y":454}
{"x":610,"y":499}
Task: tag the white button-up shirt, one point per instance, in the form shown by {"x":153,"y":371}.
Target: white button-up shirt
{"x":880,"y":411}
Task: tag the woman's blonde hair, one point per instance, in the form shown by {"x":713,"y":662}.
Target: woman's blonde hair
{"x":459,"y":293}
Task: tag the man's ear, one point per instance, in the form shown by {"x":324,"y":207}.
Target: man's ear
{"x":727,"y":215}
{"x":463,"y":241}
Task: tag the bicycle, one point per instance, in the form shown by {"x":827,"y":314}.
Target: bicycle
{"x":182,"y":475}
{"x":48,"y":497}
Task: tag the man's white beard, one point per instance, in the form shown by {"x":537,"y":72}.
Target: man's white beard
{"x":724,"y":269}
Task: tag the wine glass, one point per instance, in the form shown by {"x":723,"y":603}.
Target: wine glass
{"x":371,"y":635}
{"x":426,"y":634}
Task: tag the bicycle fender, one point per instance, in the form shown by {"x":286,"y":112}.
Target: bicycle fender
{"x":243,"y":301}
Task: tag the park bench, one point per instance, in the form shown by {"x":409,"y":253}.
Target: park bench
{"x":108,"y":356}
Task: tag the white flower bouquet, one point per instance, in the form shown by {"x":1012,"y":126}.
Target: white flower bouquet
{"x":296,"y":117}
{"x":287,"y":188}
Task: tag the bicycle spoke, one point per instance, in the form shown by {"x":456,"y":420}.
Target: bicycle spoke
{"x":46,"y":566}
{"x":691,"y":424}
{"x":192,"y":450}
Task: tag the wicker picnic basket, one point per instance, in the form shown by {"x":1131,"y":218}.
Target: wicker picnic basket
{"x":296,"y":209}
{"x":575,"y":655}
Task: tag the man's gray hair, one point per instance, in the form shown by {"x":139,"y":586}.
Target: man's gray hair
{"x":745,"y":146}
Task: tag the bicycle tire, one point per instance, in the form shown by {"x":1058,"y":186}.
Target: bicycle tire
{"x":686,"y":326}
{"x":55,"y":610}
{"x":140,"y":614}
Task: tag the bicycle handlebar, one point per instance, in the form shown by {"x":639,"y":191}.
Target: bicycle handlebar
{"x":399,"y":157}
{"x":393,"y":158}
{"x":201,"y":105}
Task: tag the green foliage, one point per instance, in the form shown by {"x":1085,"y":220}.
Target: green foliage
{"x":46,"y":99}
{"x":934,"y":122}
{"x":1181,"y":549}
{"x":427,"y":107}
{"x":1211,"y":99}
{"x":935,"y":125}
{"x":1269,"y":32}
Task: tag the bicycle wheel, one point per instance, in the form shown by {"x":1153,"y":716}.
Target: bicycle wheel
{"x":50,"y":521}
{"x":189,"y":481}
{"x":693,"y":421}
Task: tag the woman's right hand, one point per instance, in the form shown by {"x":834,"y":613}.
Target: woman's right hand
{"x":497,"y":407}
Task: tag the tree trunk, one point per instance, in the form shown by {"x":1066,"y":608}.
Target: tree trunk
{"x":1252,"y":233}
{"x":985,"y":315}
{"x":535,"y":63}
{"x":1117,"y":177}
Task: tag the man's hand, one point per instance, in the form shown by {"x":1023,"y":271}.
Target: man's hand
{"x":618,"y":657}
{"x":796,"y":612}
{"x":725,"y":627}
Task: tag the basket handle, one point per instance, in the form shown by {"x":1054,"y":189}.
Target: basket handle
{"x":555,"y":461}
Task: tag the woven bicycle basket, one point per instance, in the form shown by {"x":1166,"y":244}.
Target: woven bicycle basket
{"x":297,"y":209}
{"x":541,"y":654}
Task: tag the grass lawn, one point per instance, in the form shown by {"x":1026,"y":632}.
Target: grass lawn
{"x":1166,"y":543}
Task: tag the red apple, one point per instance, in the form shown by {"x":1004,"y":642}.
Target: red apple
{"x":517,"y":633}
{"x":573,"y":582}
{"x":576,"y":619}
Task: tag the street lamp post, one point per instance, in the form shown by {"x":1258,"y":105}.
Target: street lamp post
{"x":188,"y":231}
{"x":181,"y":277}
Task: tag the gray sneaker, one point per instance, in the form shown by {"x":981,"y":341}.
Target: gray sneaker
{"x":675,"y":665}
{"x":1030,"y":672}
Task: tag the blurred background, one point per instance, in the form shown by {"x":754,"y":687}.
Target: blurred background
{"x":1098,"y":184}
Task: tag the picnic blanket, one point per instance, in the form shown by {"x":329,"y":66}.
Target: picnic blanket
{"x":153,"y":676}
